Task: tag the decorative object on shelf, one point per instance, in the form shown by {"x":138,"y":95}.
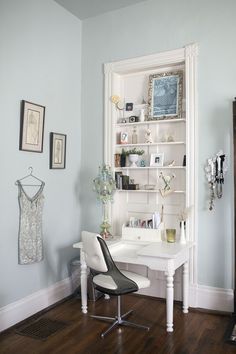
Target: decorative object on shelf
{"x":142,"y":163}
{"x":31,"y":127}
{"x":170,"y":235}
{"x":170,"y":138}
{"x":133,"y":158}
{"x":105,"y":186}
{"x":124,"y":138}
{"x":183,"y":215}
{"x":134,"y":155}
{"x":157,"y":159}
{"x":117,"y":160}
{"x":215,"y":171}
{"x":164,"y":138}
{"x":134,"y":137}
{"x":123,"y":158}
{"x":165,"y":95}
{"x":142,"y":115}
{"x":133,"y":119}
{"x":129,"y":106}
{"x":184,"y":160}
{"x":182,"y":238}
{"x":117,"y":102}
{"x":170,"y":164}
{"x":118,"y":179}
{"x":148,"y":137}
{"x":125,"y":182}
{"x":167,"y":187}
{"x":57,"y":151}
{"x":135,"y":151}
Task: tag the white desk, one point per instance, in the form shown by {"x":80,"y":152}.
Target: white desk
{"x":162,"y":256}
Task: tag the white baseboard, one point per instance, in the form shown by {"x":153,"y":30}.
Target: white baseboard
{"x":211,"y":298}
{"x":28,"y":306}
{"x":200,"y":296}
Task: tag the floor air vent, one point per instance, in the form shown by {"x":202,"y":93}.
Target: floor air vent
{"x":41,"y":328}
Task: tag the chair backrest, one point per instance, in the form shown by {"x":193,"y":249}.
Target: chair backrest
{"x":99,"y":259}
{"x":93,"y":253}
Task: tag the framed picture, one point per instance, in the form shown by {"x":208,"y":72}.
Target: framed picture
{"x":129,"y":106}
{"x":57,"y":150}
{"x":165,"y":94}
{"x":124,"y":138}
{"x":157,"y":160}
{"x":31,"y":127}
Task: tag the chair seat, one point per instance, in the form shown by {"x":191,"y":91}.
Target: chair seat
{"x":106,"y":281}
{"x":141,"y":281}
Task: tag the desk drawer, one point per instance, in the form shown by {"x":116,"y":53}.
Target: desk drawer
{"x":142,"y":234}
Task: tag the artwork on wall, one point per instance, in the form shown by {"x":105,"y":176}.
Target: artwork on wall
{"x":165,"y":95}
{"x":31,"y":127}
{"x":57,"y":151}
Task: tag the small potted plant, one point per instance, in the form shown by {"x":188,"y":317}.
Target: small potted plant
{"x":133,"y":156}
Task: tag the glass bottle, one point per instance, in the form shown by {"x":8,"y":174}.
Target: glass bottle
{"x":134,"y":136}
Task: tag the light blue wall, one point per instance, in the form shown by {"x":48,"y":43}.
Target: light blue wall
{"x":40,"y":61}
{"x":155,"y":26}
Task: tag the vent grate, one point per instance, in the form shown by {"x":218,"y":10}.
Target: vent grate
{"x":41,"y":328}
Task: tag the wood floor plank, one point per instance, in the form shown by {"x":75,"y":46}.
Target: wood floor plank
{"x":195,"y":332}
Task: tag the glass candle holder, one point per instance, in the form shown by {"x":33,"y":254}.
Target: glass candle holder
{"x":170,"y":235}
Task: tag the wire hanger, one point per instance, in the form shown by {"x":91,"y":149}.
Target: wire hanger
{"x":31,"y":175}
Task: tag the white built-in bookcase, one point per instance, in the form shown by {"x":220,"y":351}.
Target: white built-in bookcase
{"x":129,"y":80}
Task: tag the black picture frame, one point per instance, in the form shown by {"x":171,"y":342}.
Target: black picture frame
{"x":57,"y":151}
{"x":129,"y":106}
{"x":31,"y":127}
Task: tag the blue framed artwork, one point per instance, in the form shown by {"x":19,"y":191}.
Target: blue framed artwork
{"x":165,"y":95}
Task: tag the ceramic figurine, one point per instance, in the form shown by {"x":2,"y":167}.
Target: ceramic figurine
{"x":148,"y":137}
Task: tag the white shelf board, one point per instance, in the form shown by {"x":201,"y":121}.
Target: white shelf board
{"x":146,"y":191}
{"x":160,"y":121}
{"x":151,"y":168}
{"x":152,"y":144}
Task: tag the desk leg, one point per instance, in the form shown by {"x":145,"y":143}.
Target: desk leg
{"x":169,"y":299}
{"x":185,"y":287}
{"x":83,"y":280}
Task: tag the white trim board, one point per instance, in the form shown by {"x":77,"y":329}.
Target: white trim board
{"x":31,"y":304}
{"x":211,"y":298}
{"x":201,"y":296}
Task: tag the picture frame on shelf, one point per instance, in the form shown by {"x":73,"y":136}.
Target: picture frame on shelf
{"x":124,"y":138}
{"x":157,"y":159}
{"x":165,"y":95}
{"x":31,"y":127}
{"x":57,"y":151}
{"x":129,"y":106}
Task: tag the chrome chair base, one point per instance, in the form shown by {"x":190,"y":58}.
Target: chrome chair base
{"x":119,"y":320}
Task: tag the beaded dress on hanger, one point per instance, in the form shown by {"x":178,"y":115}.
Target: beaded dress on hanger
{"x":30,"y":239}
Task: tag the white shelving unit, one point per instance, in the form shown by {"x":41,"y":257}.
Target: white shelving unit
{"x":129,"y":80}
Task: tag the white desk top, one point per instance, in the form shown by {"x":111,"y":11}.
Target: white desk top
{"x":133,"y":249}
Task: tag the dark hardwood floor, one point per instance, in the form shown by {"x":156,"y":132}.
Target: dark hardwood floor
{"x":196,"y":332}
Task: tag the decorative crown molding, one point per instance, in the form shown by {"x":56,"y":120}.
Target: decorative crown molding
{"x":191,"y":50}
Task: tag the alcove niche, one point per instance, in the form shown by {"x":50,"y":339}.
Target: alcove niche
{"x":129,"y":79}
